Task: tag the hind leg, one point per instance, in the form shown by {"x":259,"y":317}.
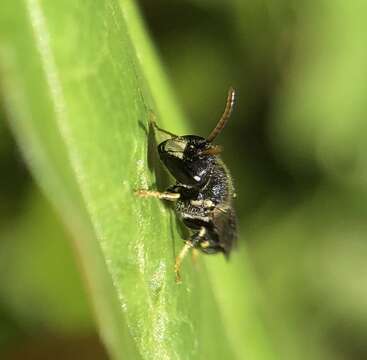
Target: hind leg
{"x":195,"y":241}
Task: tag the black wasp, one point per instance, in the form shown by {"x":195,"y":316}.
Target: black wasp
{"x":203,"y":191}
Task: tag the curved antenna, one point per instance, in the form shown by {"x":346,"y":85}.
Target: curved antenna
{"x":225,"y":117}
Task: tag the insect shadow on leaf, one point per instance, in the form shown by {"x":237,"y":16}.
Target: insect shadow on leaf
{"x":162,"y":177}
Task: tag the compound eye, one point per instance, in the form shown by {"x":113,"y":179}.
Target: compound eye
{"x":161,"y":147}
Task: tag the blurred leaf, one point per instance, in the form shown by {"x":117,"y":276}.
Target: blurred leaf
{"x":79,"y":80}
{"x":312,"y":265}
{"x":322,"y":108}
{"x":39,"y":282}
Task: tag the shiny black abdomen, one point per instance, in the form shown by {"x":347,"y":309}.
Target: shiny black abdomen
{"x":210,"y":207}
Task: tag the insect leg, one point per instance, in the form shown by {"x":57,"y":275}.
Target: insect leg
{"x":154,"y":124}
{"x":171,"y":196}
{"x":179,"y":258}
{"x":188,"y":245}
{"x":194,"y":256}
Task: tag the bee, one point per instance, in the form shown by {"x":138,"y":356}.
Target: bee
{"x":203,"y":191}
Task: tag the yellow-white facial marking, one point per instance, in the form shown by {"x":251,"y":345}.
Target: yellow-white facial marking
{"x":176,"y":147}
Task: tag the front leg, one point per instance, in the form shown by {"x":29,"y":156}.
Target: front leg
{"x":156,"y":127}
{"x":167,"y":195}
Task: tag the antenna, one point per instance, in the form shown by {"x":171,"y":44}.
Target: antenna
{"x":225,"y":117}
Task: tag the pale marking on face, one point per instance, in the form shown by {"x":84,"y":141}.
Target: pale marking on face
{"x":197,"y":178}
{"x":176,"y":147}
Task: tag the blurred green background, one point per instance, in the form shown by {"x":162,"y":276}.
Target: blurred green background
{"x":295,"y":145}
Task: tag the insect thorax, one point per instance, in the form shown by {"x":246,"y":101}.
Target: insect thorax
{"x":196,"y":208}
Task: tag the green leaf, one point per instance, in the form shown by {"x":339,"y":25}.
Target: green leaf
{"x":35,"y":262}
{"x":79,"y":81}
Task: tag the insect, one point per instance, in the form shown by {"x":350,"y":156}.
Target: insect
{"x":203,"y":191}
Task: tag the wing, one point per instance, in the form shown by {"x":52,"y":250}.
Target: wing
{"x":225,"y":225}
